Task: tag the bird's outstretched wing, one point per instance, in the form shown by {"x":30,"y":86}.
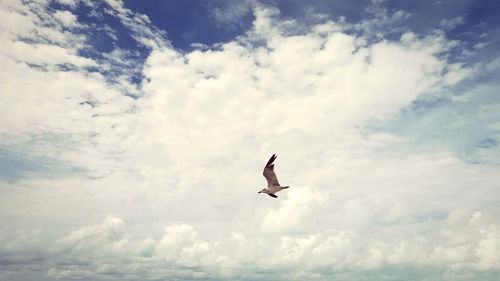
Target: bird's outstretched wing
{"x":269,"y":174}
{"x":272,"y":195}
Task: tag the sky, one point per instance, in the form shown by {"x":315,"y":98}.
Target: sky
{"x":134,"y":133}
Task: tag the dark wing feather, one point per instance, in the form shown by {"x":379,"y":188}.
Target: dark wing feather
{"x":269,"y":174}
{"x":272,"y":195}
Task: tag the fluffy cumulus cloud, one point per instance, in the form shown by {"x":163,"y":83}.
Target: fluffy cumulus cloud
{"x":178,"y":163}
{"x":66,"y":18}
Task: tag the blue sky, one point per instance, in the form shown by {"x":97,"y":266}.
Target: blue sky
{"x":134,"y":134}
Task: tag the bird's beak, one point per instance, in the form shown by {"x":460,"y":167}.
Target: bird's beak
{"x":259,"y":192}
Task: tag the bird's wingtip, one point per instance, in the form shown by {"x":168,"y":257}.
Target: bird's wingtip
{"x":271,"y":160}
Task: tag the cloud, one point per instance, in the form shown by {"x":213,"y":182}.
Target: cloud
{"x":232,"y":14}
{"x":452,"y":23}
{"x":139,"y":25}
{"x":70,"y":3}
{"x":181,"y":244}
{"x":295,"y":211}
{"x":466,"y":240}
{"x":66,"y":18}
{"x":177,"y":158}
{"x":109,"y":233}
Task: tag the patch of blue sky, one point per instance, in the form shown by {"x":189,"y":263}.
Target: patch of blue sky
{"x":13,"y":167}
{"x":190,"y":22}
{"x":472,"y":23}
{"x":36,"y":156}
{"x":413,"y":219}
{"x":104,"y":28}
{"x":105,"y":33}
{"x":17,"y":165}
{"x":464,"y":118}
{"x":429,"y":215}
{"x":352,"y":11}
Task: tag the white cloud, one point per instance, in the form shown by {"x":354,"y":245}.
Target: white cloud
{"x":452,"y":23}
{"x":382,"y":23}
{"x":181,"y":164}
{"x":105,"y":248}
{"x":70,"y":3}
{"x":140,"y":26}
{"x":232,"y":14}
{"x":43,"y":54}
{"x":97,"y":238}
{"x":294,"y":211}
{"x":66,"y":18}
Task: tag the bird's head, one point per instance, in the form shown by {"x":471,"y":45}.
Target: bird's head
{"x":262,"y":191}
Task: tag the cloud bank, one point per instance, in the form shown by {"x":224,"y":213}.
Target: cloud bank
{"x":166,"y":170}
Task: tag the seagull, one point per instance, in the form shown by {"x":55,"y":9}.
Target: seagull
{"x":273,"y":185}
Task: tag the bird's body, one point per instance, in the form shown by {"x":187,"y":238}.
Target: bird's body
{"x":271,"y":190}
{"x":273,"y":185}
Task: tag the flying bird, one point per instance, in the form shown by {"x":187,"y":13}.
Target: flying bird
{"x":273,"y":185}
